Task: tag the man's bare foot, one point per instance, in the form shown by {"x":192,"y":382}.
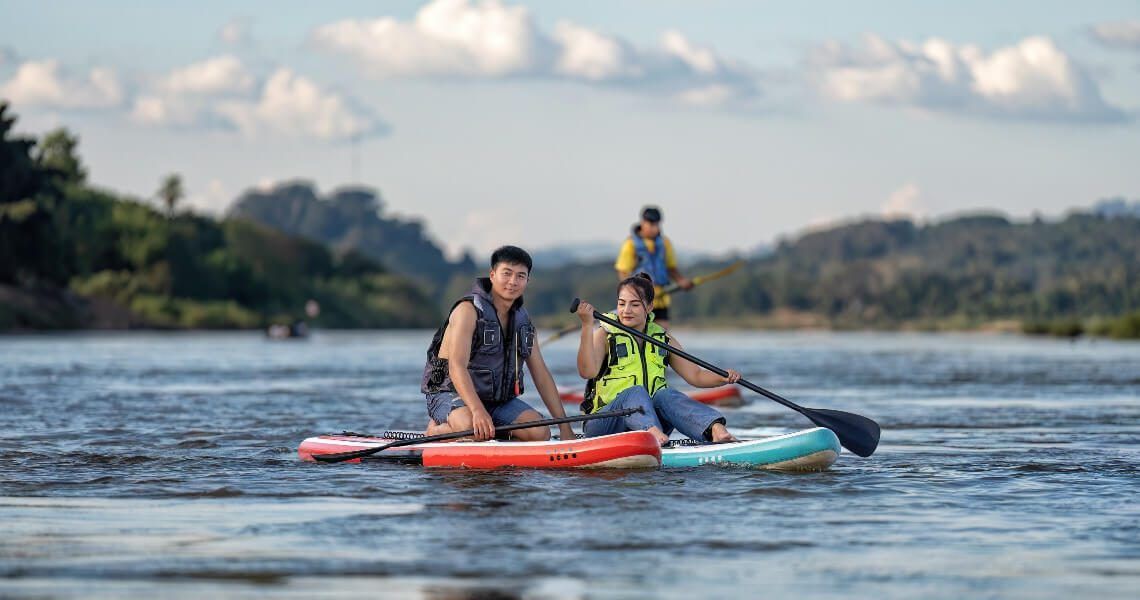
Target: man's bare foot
{"x":432,"y":428}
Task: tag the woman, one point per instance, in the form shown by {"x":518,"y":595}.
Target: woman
{"x":626,"y":372}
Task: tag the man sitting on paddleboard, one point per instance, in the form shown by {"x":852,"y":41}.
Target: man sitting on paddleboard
{"x":473,"y":376}
{"x":647,"y":250}
{"x":625,"y":372}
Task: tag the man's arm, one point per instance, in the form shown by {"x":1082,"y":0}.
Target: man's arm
{"x":626,"y":260}
{"x":671,"y":266}
{"x":544,"y":383}
{"x":460,"y":329}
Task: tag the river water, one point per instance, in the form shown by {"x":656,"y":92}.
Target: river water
{"x":143,"y":465}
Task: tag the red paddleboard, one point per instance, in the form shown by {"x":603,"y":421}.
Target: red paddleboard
{"x":629,"y":450}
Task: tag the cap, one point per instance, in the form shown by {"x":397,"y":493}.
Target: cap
{"x":651,"y":214}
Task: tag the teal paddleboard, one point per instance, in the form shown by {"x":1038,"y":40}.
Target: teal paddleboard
{"x":808,"y":450}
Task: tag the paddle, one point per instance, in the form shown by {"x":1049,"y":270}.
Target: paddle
{"x":343,"y":456}
{"x":561,"y":333}
{"x":856,"y":432}
{"x":705,"y":278}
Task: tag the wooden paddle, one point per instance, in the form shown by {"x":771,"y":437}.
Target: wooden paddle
{"x":856,"y":432}
{"x":561,"y":333}
{"x":705,"y":278}
{"x":343,"y":456}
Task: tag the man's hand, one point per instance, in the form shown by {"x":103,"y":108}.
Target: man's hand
{"x":685,"y":283}
{"x":482,"y":424}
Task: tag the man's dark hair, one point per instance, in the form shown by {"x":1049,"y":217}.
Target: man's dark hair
{"x":511,"y":255}
{"x":651,"y":214}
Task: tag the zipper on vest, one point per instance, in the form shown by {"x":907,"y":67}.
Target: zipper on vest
{"x":644,"y":369}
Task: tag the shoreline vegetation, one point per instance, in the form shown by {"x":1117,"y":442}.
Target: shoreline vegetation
{"x":77,"y":257}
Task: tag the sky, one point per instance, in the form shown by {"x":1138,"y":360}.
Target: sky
{"x":551,"y":123}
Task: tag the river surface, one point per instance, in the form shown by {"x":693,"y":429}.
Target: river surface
{"x":143,"y":465}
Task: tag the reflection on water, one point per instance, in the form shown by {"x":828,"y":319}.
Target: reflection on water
{"x":146,"y":464}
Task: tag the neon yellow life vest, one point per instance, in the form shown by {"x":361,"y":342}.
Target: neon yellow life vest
{"x":626,"y":365}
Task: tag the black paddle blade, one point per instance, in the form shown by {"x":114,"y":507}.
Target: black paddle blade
{"x":857,"y":433}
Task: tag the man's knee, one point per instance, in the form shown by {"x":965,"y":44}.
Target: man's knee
{"x":460,"y":418}
{"x":531,"y":434}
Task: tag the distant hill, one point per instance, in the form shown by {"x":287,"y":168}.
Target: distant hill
{"x":76,"y":257}
{"x":960,"y":272}
{"x":561,"y":255}
{"x":352,"y":219}
{"x":1117,"y":207}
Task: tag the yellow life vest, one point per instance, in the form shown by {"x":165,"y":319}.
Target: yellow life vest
{"x":625,"y":365}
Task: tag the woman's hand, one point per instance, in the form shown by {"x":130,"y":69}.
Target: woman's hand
{"x":733,"y":376}
{"x":585,"y":312}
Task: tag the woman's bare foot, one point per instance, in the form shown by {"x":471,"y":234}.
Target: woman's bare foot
{"x":661,"y":437}
{"x":720,"y":434}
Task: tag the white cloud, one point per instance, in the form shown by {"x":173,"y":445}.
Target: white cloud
{"x":447,"y":37}
{"x":43,"y":83}
{"x":236,"y":32}
{"x":1032,"y":79}
{"x":219,"y":75}
{"x":1118,"y":34}
{"x":294,"y":106}
{"x":904,"y":202}
{"x":212,"y":200}
{"x":221,"y":93}
{"x":592,"y":56}
{"x":490,"y":40}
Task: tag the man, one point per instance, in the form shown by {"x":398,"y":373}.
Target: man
{"x":647,"y":250}
{"x":473,"y":376}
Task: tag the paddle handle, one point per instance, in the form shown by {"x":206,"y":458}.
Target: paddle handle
{"x":343,"y":456}
{"x":689,"y":357}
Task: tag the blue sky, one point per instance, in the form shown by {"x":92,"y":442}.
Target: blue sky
{"x":553,"y":122}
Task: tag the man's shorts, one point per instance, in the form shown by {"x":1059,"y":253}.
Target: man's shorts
{"x":441,"y":404}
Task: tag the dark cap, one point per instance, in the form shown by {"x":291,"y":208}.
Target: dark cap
{"x":651,"y":214}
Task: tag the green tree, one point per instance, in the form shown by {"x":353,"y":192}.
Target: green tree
{"x":57,"y":155}
{"x":171,"y":192}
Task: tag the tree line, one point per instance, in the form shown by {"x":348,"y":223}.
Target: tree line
{"x":75,"y":256}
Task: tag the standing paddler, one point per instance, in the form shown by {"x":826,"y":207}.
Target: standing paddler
{"x":647,"y":250}
{"x":473,"y":376}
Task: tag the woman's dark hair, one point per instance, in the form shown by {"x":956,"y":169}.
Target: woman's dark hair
{"x":642,"y":285}
{"x":512,"y":255}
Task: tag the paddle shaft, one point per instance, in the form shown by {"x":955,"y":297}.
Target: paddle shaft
{"x":698,"y":280}
{"x":668,"y":290}
{"x":343,"y":456}
{"x":561,"y":333}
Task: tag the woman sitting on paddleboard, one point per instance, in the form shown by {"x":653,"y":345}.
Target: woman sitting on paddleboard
{"x":625,"y":372}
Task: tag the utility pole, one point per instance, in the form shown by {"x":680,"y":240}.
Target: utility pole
{"x":356,"y":158}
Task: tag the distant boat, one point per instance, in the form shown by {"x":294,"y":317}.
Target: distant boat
{"x":279,"y":331}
